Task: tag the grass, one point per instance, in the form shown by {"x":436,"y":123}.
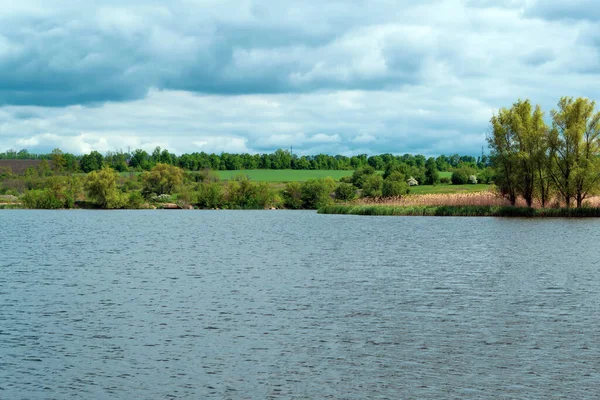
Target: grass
{"x":449,"y":189}
{"x":445,"y":174}
{"x":462,"y":211}
{"x":11,"y":206}
{"x":284,"y":175}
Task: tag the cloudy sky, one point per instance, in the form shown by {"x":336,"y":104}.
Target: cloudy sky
{"x":339,"y":77}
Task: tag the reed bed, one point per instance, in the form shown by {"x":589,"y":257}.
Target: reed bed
{"x":461,"y":211}
{"x":479,"y":199}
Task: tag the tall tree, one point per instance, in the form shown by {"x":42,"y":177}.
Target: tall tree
{"x":504,"y":149}
{"x":59,"y":161}
{"x":432,"y":176}
{"x":575,"y":149}
{"x":519,"y":149}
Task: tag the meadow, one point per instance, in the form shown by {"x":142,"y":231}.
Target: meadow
{"x":283,"y":175}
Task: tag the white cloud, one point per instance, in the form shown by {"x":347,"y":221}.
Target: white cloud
{"x":225,"y":75}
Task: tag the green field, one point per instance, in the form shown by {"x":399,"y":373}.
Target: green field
{"x":283,"y":175}
{"x":445,"y":174}
{"x":449,"y":189}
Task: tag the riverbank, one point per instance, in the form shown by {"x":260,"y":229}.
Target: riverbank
{"x":462,"y":211}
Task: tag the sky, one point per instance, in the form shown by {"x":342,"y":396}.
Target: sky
{"x":336,"y":77}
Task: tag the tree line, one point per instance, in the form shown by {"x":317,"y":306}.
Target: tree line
{"x":541,"y":163}
{"x":140,"y":160}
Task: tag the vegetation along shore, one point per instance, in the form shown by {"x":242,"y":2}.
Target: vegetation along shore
{"x":532,"y":169}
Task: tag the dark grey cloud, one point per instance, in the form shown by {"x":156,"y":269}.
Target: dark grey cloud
{"x":113,"y":51}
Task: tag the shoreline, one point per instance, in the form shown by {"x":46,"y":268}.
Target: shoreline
{"x":462,"y":211}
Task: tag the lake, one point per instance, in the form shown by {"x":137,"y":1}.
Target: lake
{"x":295,"y":305}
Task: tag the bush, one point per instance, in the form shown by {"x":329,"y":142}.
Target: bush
{"x":210,"y":195}
{"x":204,"y":175}
{"x":359,"y":176}
{"x":472,"y":179}
{"x":160,"y":198}
{"x":345,"y":192}
{"x":241,"y":193}
{"x":292,"y":195}
{"x":486,"y":176}
{"x":162,"y":179}
{"x":394,"y":167}
{"x":346,"y":179}
{"x":135,"y":200}
{"x":264,"y":196}
{"x":373,"y":186}
{"x":395,"y":185}
{"x":101,"y":187}
{"x":460,"y":177}
{"x":42,"y":199}
{"x":317,"y":192}
{"x":445,"y":180}
{"x":412,"y":182}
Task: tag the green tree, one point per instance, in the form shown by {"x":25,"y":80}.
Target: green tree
{"x":395,"y":185}
{"x":292,"y":195}
{"x":504,"y":148}
{"x":345,"y":192}
{"x":59,"y":162}
{"x":101,"y":188}
{"x":316,"y":193}
{"x":91,"y":162}
{"x":432,"y":176}
{"x":210,"y":195}
{"x":373,"y":186}
{"x":575,"y":149}
{"x":161,"y":179}
{"x":359,"y":175}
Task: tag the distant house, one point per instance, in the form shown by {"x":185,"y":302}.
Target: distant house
{"x":20,"y":166}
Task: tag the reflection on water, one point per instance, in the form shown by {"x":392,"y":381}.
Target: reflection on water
{"x":250,"y":305}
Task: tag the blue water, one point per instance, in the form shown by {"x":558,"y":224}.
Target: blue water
{"x":295,"y":305}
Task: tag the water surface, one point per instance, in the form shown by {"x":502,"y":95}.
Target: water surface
{"x":281,"y":304}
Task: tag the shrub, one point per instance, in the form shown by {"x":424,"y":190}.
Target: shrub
{"x":346,"y":179}
{"x":445,"y":180}
{"x":373,"y":186}
{"x":460,"y":177}
{"x":393,"y":167}
{"x":204,"y":175}
{"x":395,"y":185}
{"x":412,"y":182}
{"x":210,"y":195}
{"x":317,"y":192}
{"x":42,"y":199}
{"x":359,"y":176}
{"x":161,"y":179}
{"x":432,"y":176}
{"x":292,"y":195}
{"x":5,"y":173}
{"x":472,"y":179}
{"x":101,"y":187}
{"x":160,"y":198}
{"x":240,"y":193}
{"x":486,"y":176}
{"x":345,"y":192}
{"x":264,"y":196}
{"x":135,"y":200}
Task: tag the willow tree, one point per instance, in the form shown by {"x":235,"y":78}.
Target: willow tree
{"x":101,"y":187}
{"x":519,"y":148}
{"x":504,"y":146}
{"x":575,"y":149}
